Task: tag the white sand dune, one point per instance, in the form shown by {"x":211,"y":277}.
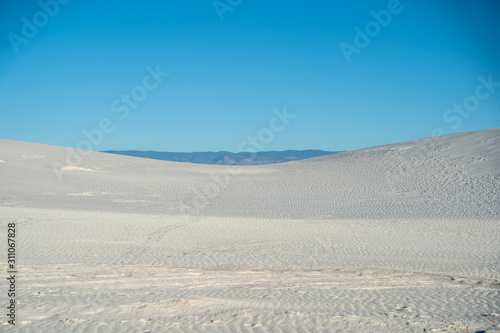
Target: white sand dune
{"x":394,"y":238}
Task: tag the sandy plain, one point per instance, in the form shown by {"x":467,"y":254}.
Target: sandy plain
{"x":394,"y":238}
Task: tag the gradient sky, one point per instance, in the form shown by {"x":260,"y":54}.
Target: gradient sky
{"x":227,"y":75}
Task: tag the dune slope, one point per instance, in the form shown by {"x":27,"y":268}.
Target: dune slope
{"x":454,"y":176}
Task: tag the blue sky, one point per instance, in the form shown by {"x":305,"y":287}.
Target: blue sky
{"x":231,"y":63}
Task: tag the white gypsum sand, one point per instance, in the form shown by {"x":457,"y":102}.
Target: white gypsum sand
{"x":395,"y":238}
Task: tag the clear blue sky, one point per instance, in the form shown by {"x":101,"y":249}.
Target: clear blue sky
{"x":227,"y":75}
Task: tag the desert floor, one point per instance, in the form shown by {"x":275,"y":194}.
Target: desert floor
{"x":395,"y":238}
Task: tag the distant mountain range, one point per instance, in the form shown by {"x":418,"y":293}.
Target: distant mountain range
{"x":225,"y":157}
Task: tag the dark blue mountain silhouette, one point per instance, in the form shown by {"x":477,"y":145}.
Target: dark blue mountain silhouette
{"x":225,"y":157}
